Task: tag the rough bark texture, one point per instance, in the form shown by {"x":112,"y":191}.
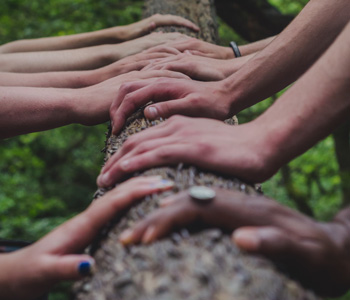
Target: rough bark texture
{"x":192,"y":263}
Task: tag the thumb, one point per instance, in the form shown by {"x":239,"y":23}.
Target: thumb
{"x":265,"y":240}
{"x":70,"y":267}
{"x":168,"y":109}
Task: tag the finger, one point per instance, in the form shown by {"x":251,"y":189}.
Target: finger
{"x":124,"y":90}
{"x":276,"y":243}
{"x":68,"y":267}
{"x":162,"y":73}
{"x":167,"y":109}
{"x":170,"y":20}
{"x":84,"y":227}
{"x":161,"y":222}
{"x":130,"y":100}
{"x":161,"y":49}
{"x":168,"y":154}
{"x":199,"y":53}
{"x":157,"y":132}
{"x":142,"y":146}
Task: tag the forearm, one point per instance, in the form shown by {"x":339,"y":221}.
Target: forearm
{"x":25,"y":110}
{"x":104,"y":36}
{"x":68,"y":79}
{"x":290,"y":54}
{"x":231,"y":66}
{"x":312,"y":108}
{"x":343,"y":217}
{"x":256,"y":46}
{"x":65,"y":60}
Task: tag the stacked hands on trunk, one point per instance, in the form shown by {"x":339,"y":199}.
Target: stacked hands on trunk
{"x":111,"y":81}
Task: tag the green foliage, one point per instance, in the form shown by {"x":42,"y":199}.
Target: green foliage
{"x":47,"y":177}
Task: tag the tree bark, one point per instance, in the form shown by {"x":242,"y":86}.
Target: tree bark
{"x":193,"y":263}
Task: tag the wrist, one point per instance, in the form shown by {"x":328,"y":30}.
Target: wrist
{"x":227,"y":53}
{"x":343,"y":218}
{"x":122,"y":33}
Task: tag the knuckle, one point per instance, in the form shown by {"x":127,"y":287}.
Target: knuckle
{"x":165,"y":154}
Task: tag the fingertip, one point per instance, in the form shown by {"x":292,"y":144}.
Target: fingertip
{"x":247,"y":239}
{"x":150,"y":235}
{"x":127,"y":237}
{"x":86,"y":267}
{"x":103,"y":180}
{"x":151,"y":112}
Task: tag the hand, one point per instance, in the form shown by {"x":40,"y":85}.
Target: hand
{"x":197,"y":67}
{"x":93,"y":102}
{"x":316,"y":252}
{"x":241,"y":151}
{"x":151,"y":40}
{"x":200,"y":48}
{"x":179,"y":96}
{"x":130,"y":63}
{"x":145,"y":26}
{"x":30,"y":272}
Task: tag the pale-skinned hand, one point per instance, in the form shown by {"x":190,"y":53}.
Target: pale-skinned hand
{"x":172,"y":96}
{"x":94,"y":102}
{"x":318,"y":253}
{"x":30,"y":272}
{"x":130,"y":63}
{"x":145,"y":26}
{"x":198,"y":47}
{"x":197,"y":67}
{"x":241,"y":151}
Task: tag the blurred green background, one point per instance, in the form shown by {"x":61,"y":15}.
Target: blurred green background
{"x":47,"y":177}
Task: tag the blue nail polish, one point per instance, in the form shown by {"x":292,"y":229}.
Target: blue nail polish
{"x":84,"y":268}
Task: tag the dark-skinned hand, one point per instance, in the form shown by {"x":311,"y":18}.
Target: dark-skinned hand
{"x":317,"y":252}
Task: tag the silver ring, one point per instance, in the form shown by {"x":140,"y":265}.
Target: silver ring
{"x":202,"y":194}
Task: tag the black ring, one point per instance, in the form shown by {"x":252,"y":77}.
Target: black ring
{"x":235,"y":49}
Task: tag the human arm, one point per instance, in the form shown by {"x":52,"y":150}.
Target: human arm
{"x":83,"y":58}
{"x":309,"y":111}
{"x":79,"y":79}
{"x":111,"y":35}
{"x":28,"y":109}
{"x":32,"y":271}
{"x":286,"y":58}
{"x":317,"y":253}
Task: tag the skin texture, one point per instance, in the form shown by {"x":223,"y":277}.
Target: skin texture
{"x":262,"y":226}
{"x":199,"y":67}
{"x":310,"y":110}
{"x":87,"y":58}
{"x":29,"y":109}
{"x":57,"y":255}
{"x":105,"y":36}
{"x":280,"y":63}
{"x":79,"y":79}
{"x":205,"y":49}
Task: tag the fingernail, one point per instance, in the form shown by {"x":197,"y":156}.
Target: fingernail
{"x":152,"y":112}
{"x":103,"y":179}
{"x":149,"y":235}
{"x":86,"y":268}
{"x":246,"y":239}
{"x":166,"y":202}
{"x":125,"y":165}
{"x":126,"y":237}
{"x":163,"y":184}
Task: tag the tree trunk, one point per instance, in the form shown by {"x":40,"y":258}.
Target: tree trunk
{"x":191,"y":264}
